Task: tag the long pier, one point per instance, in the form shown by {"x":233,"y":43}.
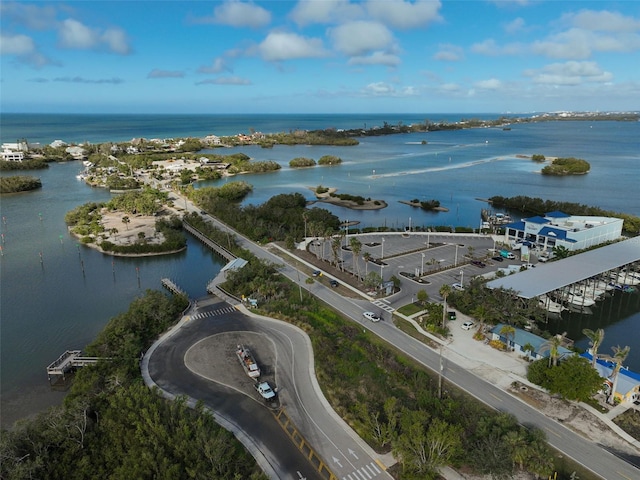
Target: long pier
{"x":67,"y":361}
{"x":219,"y":249}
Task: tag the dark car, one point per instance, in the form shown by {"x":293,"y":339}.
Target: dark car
{"x":497,"y":259}
{"x":316,"y":273}
{"x":333,"y":283}
{"x":478,"y":263}
{"x":452,"y":315}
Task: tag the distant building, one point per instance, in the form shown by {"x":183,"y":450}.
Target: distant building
{"x":11,"y":156}
{"x":76,"y":152}
{"x":58,"y":143}
{"x":574,"y":232}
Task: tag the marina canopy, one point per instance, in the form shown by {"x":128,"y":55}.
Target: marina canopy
{"x":555,"y":275}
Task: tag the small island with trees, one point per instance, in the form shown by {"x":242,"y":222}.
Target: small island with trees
{"x":563,"y":166}
{"x":432,"y":205}
{"x":355,"y":202}
{"x":19,"y":183}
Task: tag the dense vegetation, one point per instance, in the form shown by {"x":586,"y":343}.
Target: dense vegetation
{"x":567,"y":166}
{"x":283,"y":217}
{"x":115,"y":182}
{"x":300,"y":162}
{"x":429,"y":204}
{"x":232,"y":192}
{"x":358,"y":199}
{"x":24,"y":165}
{"x":19,"y":183}
{"x":329,"y":160}
{"x":538,"y":206}
{"x":573,"y":378}
{"x":112,"y":426}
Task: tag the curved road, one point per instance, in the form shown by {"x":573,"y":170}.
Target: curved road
{"x":182,"y":364}
{"x":571,"y":444}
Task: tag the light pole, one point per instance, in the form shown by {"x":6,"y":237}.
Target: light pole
{"x":462,"y":277}
{"x":455,"y":261}
{"x":381,"y":276}
{"x":382,"y":250}
{"x":422,"y":266}
{"x":440,"y":375}
{"x":409,"y":223}
{"x":428,"y":239}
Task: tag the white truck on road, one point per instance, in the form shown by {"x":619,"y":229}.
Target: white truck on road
{"x":265,"y":391}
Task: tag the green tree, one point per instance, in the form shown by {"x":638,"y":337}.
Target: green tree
{"x":356,"y":247}
{"x":508,"y":332}
{"x":619,"y":356}
{"x":595,"y":340}
{"x":422,"y":296}
{"x":560,"y":251}
{"x":575,"y":379}
{"x":552,"y":346}
{"x":126,"y":220}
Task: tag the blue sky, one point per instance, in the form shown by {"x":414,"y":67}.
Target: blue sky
{"x":319,"y":56}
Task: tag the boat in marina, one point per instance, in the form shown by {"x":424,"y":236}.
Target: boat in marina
{"x":550,"y":305}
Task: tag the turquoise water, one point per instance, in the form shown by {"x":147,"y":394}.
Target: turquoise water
{"x":63,"y":299}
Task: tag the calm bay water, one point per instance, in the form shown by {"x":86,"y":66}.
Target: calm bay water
{"x":64,"y":298}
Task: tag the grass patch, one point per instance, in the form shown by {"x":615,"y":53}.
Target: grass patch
{"x":410,"y":308}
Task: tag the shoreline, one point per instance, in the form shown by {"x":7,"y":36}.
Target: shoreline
{"x":327,"y":198}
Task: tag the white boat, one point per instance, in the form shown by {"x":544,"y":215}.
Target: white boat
{"x":549,"y":305}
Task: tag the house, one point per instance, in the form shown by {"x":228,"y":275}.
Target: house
{"x":58,"y":143}
{"x":628,"y":386}
{"x":574,"y":232}
{"x":76,"y":152}
{"x":11,"y":156}
{"x":522,"y":338}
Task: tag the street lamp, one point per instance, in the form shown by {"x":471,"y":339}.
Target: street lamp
{"x":462,"y":277}
{"x":422,"y":267}
{"x":428,"y":239}
{"x":382,"y":250}
{"x":455,"y":261}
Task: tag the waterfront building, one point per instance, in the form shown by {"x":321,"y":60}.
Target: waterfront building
{"x":526,"y":343}
{"x":628,"y":385}
{"x":11,"y":156}
{"x":574,"y":232}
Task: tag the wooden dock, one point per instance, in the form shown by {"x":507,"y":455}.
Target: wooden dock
{"x":172,"y":287}
{"x":66,"y":362}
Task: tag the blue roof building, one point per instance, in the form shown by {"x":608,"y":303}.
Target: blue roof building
{"x":574,"y":232}
{"x":522,"y":338}
{"x":628,"y":387}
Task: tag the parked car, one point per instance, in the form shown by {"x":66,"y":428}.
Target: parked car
{"x":265,"y":391}
{"x":457,"y":286}
{"x":466,"y":325}
{"x":452,"y":315}
{"x":333,"y":283}
{"x":478,"y":263}
{"x":316,"y":273}
{"x":371,"y":316}
{"x":497,"y":259}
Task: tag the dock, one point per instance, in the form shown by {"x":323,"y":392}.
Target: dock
{"x":172,"y":287}
{"x":68,"y":361}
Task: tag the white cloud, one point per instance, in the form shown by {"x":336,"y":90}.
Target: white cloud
{"x":376,"y":58}
{"x":116,"y":41}
{"x":515,"y":26}
{"x":241,"y":14}
{"x":361,"y":37}
{"x":74,"y":34}
{"x":491,"y":48}
{"x":580,"y":44}
{"x":382,"y":89}
{"x":16,"y":45}
{"x":157,"y":73}
{"x":490,"y":84}
{"x":449,"y":53}
{"x":225,"y":81}
{"x":325,"y":11}
{"x":219,"y":65}
{"x":602,"y":21}
{"x":404,"y":14}
{"x":287,"y":46}
{"x":570,"y":73}
{"x":31,"y":16}
{"x":113,"y":80}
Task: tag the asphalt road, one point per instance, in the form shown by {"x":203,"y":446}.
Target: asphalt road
{"x":571,"y":444}
{"x":185,"y":364}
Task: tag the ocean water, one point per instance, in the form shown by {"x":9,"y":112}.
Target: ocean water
{"x":57,"y":295}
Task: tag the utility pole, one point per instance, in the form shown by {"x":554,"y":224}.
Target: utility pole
{"x":440,"y":375}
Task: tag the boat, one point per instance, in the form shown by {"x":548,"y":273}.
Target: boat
{"x":549,"y":305}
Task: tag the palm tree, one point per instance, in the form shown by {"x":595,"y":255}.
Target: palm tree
{"x":366,"y":256}
{"x":553,"y":347}
{"x":444,"y":291}
{"x":126,"y":221}
{"x":595,"y":340}
{"x":619,"y":356}
{"x":509,"y":332}
{"x":356,"y":246}
{"x":336,"y":243}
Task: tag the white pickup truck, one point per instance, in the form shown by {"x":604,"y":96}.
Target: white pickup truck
{"x":265,"y":391}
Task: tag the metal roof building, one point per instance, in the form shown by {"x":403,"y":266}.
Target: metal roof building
{"x":556,"y":275}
